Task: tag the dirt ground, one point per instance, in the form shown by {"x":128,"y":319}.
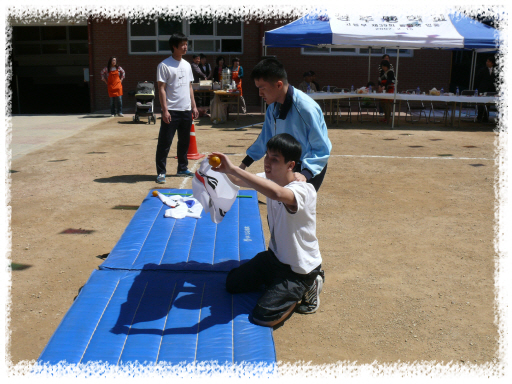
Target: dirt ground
{"x":405,"y":225}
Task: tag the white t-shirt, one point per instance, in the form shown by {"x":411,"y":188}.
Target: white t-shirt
{"x":177,"y":75}
{"x":293,"y":235}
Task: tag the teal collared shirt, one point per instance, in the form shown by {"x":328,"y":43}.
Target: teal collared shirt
{"x":301,"y":117}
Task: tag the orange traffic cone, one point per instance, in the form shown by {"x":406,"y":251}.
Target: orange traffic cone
{"x":192,"y":153}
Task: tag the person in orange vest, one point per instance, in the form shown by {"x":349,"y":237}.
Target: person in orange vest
{"x":113,"y":75}
{"x":237,"y":72}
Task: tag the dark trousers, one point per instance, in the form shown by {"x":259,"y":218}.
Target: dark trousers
{"x":316,"y":180}
{"x":116,"y":102}
{"x":482,"y":114}
{"x":283,"y":287}
{"x":181,"y":121}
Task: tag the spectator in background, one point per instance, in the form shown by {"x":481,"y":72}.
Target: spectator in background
{"x":207,"y":70}
{"x":387,"y":85}
{"x":217,"y":71}
{"x":113,"y":76}
{"x":196,"y":70}
{"x":205,"y":67}
{"x":385,"y":57}
{"x":237,"y":72}
{"x":307,"y":83}
{"x":313,"y":80}
{"x":485,"y":81}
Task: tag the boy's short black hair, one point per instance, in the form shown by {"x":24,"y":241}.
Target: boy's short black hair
{"x":307,"y":74}
{"x":194,"y":56}
{"x":385,"y":63}
{"x":270,"y":70}
{"x":492,"y":59}
{"x":235,"y":59}
{"x":202,"y":55}
{"x":286,"y":145}
{"x":175,"y":39}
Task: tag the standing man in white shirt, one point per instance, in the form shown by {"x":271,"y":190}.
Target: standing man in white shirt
{"x":174,"y":77}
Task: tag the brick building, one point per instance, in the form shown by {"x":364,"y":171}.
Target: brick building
{"x":51,"y":61}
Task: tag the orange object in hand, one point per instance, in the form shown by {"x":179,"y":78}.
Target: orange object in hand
{"x":214,"y":161}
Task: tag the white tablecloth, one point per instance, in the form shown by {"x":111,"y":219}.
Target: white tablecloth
{"x":404,"y":96}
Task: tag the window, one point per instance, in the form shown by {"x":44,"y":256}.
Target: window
{"x":152,"y":37}
{"x":355,"y":51}
{"x":51,"y":40}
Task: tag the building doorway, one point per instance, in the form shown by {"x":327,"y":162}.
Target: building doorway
{"x":48,"y":63}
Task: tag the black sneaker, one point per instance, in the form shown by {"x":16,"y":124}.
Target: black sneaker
{"x":311,"y":299}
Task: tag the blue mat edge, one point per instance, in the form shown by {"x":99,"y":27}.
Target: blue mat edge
{"x":76,"y":302}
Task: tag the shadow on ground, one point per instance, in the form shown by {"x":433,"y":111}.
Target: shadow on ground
{"x":96,"y":116}
{"x":130,"y":179}
{"x":131,"y":122}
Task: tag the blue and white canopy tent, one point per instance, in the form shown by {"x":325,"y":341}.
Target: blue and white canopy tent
{"x":398,"y":29}
{"x":403,"y":29}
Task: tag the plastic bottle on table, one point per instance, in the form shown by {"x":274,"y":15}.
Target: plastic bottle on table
{"x":418,"y":90}
{"x":476,"y":92}
{"x":457,"y":93}
{"x":352,"y":89}
{"x":442,"y":91}
{"x":328,"y":88}
{"x":370,"y":89}
{"x":309,"y":89}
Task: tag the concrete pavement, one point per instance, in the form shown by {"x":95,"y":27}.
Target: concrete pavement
{"x":33,"y":132}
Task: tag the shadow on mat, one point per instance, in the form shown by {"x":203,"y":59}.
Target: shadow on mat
{"x":180,"y":303}
{"x":130,"y":179}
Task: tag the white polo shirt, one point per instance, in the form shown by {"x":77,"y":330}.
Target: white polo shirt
{"x":293,"y":235}
{"x":177,"y":75}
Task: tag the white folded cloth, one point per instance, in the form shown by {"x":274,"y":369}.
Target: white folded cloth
{"x":182,"y":210}
{"x":181,"y":206}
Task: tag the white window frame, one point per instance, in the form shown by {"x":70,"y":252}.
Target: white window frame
{"x":408,"y":53}
{"x":185,"y":29}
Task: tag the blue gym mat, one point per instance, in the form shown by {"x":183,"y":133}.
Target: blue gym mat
{"x":154,"y":242}
{"x":160,"y":296}
{"x":159,"y":316}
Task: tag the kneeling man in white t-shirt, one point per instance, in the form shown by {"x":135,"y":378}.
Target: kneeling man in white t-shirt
{"x":291,"y":267}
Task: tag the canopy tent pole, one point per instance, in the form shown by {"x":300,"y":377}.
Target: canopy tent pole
{"x":369,"y":62}
{"x":263,"y":109}
{"x":472,"y":73}
{"x":471,"y":69}
{"x":396,"y":83}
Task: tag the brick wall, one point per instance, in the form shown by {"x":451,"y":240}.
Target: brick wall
{"x":426,"y":69}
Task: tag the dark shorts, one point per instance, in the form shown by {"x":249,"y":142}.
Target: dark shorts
{"x":283,"y":287}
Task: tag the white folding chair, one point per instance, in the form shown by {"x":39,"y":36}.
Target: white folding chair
{"x":343,"y":104}
{"x":414,"y":107}
{"x":468,"y":111}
